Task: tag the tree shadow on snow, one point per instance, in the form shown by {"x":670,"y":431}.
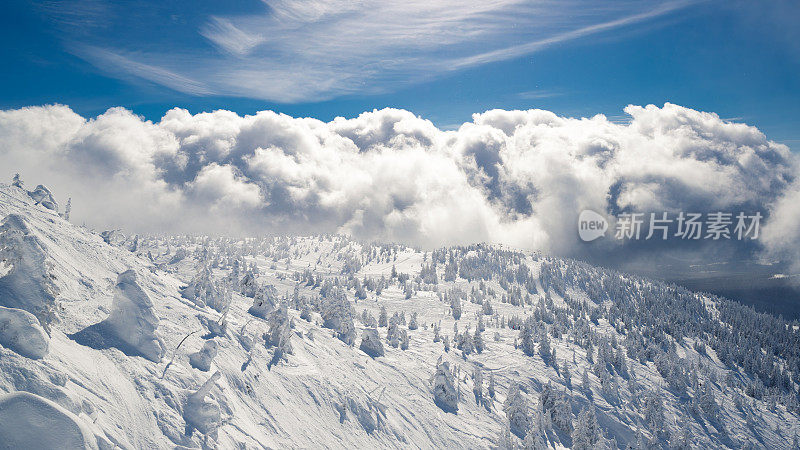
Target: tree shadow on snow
{"x":98,"y":337}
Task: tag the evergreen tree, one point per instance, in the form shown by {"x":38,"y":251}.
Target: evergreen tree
{"x":586,"y":432}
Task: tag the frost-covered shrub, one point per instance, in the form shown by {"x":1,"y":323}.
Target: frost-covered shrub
{"x":371,"y":343}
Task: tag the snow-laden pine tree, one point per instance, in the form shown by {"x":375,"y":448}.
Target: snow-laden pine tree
{"x":444,"y":390}
{"x":455,"y":305}
{"x":280,"y":331}
{"x":477,"y":384}
{"x":506,"y":440}
{"x":534,"y":440}
{"x":586,"y":432}
{"x":516,"y":409}
{"x":383,"y":317}
{"x":371,"y":343}
{"x":412,"y":324}
{"x":653,"y":406}
{"x":16,"y":181}
{"x":404,"y":340}
{"x":478,"y":340}
{"x":526,"y":341}
{"x":544,"y":348}
{"x":337,"y":314}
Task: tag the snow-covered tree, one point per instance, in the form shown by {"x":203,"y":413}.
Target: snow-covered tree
{"x":26,"y":283}
{"x":534,"y":440}
{"x":404,"y":340}
{"x":371,"y":343}
{"x":202,"y":359}
{"x":68,"y":209}
{"x":516,"y":409}
{"x":280,"y":332}
{"x":337,"y":314}
{"x":16,"y":181}
{"x":444,"y":391}
{"x":506,"y":440}
{"x":586,"y":432}
{"x":383,"y":317}
{"x":132,"y":319}
{"x":455,"y":305}
{"x":526,"y":341}
{"x":478,"y":341}
{"x":412,"y":324}
{"x":477,"y":384}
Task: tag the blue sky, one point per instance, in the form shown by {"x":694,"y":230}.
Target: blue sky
{"x":443,"y":62}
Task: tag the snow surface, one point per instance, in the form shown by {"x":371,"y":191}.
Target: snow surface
{"x":21,"y":332}
{"x":30,"y":421}
{"x":326,"y":392}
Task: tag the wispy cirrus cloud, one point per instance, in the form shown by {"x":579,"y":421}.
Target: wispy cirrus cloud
{"x":296,"y":51}
{"x":229,"y":38}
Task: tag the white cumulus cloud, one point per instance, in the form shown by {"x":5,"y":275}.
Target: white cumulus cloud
{"x":514,"y":177}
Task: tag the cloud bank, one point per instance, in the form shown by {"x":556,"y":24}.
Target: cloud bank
{"x":514,"y":177}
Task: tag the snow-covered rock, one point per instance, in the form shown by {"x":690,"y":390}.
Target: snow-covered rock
{"x":28,"y":421}
{"x":371,"y":342}
{"x":21,"y":332}
{"x":202,"y":359}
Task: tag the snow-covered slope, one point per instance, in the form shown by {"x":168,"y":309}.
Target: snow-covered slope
{"x":569,"y":356}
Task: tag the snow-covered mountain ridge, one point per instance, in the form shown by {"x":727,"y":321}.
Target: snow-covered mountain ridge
{"x":189,"y":341}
